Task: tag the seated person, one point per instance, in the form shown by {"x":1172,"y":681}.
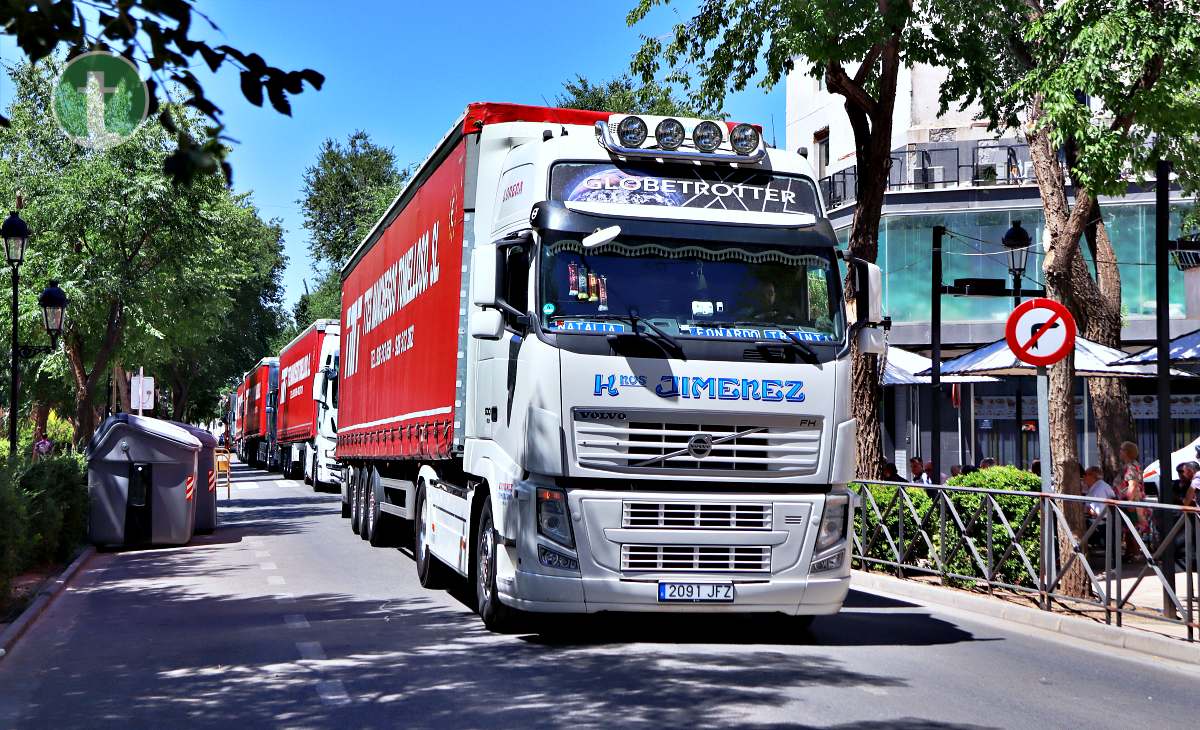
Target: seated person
{"x":1097,"y":488}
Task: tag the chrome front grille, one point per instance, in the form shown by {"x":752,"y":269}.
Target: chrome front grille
{"x":696,"y":558}
{"x":755,"y":450}
{"x":696,"y":516}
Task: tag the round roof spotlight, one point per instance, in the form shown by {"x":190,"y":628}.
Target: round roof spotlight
{"x":707,"y":136}
{"x":669,"y":133}
{"x":631,"y":132}
{"x":744,"y":139}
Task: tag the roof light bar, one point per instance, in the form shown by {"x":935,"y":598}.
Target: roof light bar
{"x":625,"y":138}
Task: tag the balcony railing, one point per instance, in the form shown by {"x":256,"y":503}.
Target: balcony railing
{"x":940,"y":165}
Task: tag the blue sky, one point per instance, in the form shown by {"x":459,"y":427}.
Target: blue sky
{"x":403,"y":71}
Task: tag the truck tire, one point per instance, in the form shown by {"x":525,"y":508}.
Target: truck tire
{"x":496,"y":616}
{"x":312,"y":475}
{"x":365,"y":493}
{"x":379,"y":523}
{"x":355,"y":502}
{"x":430,"y":571}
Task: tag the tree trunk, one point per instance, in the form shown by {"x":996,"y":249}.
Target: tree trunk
{"x":1064,"y":228}
{"x":41,"y":415}
{"x":871,"y":122}
{"x":87,"y":381}
{"x":180,"y":390}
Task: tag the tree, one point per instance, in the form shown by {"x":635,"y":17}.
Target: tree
{"x":1102,"y":89}
{"x":148,"y":265}
{"x":622,"y":94}
{"x":345,"y":192}
{"x":159,"y":34}
{"x":858,"y":48}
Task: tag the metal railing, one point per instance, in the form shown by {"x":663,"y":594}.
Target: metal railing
{"x":931,"y":166}
{"x":1008,"y":539}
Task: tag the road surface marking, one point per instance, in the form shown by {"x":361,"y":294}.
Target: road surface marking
{"x":311,"y":650}
{"x":295,"y":621}
{"x":276,"y":580}
{"x":268,"y":566}
{"x":245,"y":485}
{"x":285,"y":597}
{"x":333,"y":692}
{"x":262,"y":553}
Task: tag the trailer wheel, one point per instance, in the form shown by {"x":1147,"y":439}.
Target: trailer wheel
{"x":496,"y":616}
{"x":344,"y":491}
{"x":379,"y":523}
{"x":355,"y":501}
{"x":430,"y":571}
{"x":367,"y":502}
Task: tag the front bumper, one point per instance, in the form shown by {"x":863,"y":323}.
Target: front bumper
{"x":606,"y":580}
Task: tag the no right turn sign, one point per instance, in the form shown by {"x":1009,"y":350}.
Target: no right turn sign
{"x":1040,"y":332}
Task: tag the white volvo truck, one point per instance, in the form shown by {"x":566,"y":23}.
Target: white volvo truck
{"x":601,"y":363}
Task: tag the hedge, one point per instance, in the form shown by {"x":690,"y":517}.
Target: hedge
{"x":43,"y":513}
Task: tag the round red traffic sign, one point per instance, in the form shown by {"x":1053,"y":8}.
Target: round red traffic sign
{"x":1040,"y":332}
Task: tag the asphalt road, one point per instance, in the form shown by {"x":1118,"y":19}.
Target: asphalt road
{"x":284,"y":618}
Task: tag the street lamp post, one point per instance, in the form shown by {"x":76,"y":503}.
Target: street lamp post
{"x":1017,"y":241}
{"x":53,"y":302}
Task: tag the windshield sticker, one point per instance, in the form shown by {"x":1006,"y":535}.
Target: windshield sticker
{"x":548,"y":308}
{"x":752,"y":333}
{"x":702,"y":309}
{"x":576,"y":325}
{"x":700,"y":187}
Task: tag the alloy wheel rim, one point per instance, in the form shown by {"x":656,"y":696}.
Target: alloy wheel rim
{"x":421,"y":529}
{"x":486,"y":548}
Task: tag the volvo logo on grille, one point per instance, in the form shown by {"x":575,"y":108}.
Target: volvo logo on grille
{"x":700,"y":445}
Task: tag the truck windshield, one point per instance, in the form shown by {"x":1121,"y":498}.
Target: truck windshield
{"x":692,"y":289}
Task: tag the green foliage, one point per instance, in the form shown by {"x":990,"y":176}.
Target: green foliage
{"x":43,"y":513}
{"x":894,"y":510}
{"x":1015,"y":510}
{"x":345,"y":192}
{"x":623,"y":94}
{"x":1117,"y":80}
{"x":323,"y":302}
{"x":184,"y":279}
{"x":165,"y":34}
{"x":14,"y":529}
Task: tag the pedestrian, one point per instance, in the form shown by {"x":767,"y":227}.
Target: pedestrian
{"x":1097,"y":488}
{"x":956,"y":470}
{"x":986,"y":462}
{"x":1189,"y":483}
{"x":1130,"y":488}
{"x":42,"y":447}
{"x":969,"y":469}
{"x":929,"y":475}
{"x":1036,"y":467}
{"x":916,"y":471}
{"x":891,"y":473}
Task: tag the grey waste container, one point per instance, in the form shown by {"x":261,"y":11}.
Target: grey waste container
{"x":141,"y":482}
{"x":206,"y":478}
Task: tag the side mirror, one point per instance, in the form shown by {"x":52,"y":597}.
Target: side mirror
{"x":869,"y":295}
{"x":483,"y":276}
{"x":871,"y":341}
{"x":318,"y":386}
{"x":487,"y":324}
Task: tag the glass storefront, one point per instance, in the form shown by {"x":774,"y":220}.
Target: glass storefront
{"x":904,"y":255}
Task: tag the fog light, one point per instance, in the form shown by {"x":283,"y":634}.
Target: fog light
{"x":631,"y":132}
{"x":744,"y":139}
{"x":669,"y":134}
{"x":824,"y":565}
{"x":707,"y":136}
{"x":553,"y":559}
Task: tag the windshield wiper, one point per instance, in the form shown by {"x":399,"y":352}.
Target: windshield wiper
{"x":633,"y":319}
{"x":792,"y":338}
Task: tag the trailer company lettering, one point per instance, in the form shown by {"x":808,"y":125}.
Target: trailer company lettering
{"x":696,"y":388}
{"x":414,"y":272}
{"x":292,"y":374}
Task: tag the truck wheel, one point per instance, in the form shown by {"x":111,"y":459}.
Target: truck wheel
{"x":355,"y":502}
{"x":379,"y":523}
{"x":309,"y":478}
{"x":366,"y":502}
{"x":430,"y":571}
{"x":496,"y":616}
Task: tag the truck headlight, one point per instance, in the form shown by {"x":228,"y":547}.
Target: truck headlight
{"x":707,"y":136}
{"x":554,"y":520}
{"x":744,"y":139}
{"x":833,"y":523}
{"x":631,"y":131}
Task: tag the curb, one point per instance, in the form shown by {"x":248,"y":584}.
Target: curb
{"x":1142,"y":642}
{"x":44,"y":598}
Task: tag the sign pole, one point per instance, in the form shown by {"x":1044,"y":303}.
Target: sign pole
{"x":1043,"y":396}
{"x":141,"y":379}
